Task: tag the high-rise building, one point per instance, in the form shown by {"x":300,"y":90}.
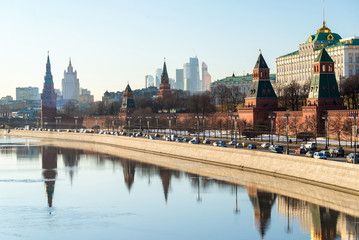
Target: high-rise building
{"x":206,"y":78}
{"x":191,"y":75}
{"x":149,"y":81}
{"x":158,"y":77}
{"x":27,"y":94}
{"x":70,"y":84}
{"x":179,"y":79}
{"x":48,"y":97}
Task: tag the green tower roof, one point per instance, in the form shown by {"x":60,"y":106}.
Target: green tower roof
{"x":323,"y":56}
{"x":128,"y":88}
{"x":261,"y":63}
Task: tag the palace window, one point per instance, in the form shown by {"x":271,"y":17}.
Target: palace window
{"x":350,"y":59}
{"x":357,"y":58}
{"x":350,"y":71}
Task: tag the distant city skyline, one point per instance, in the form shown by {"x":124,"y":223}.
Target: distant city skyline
{"x":114,"y":42}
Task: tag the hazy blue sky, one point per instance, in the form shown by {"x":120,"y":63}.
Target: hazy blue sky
{"x":112,"y":42}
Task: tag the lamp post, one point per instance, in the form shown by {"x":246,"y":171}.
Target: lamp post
{"x":235,"y":127}
{"x":148,"y":127}
{"x":76,"y":118}
{"x":197,"y":117}
{"x":113,"y":123}
{"x":203,"y":118}
{"x":37,"y":121}
{"x":96,"y":124}
{"x":271,"y":117}
{"x":140,"y":118}
{"x":58,"y":121}
{"x":129,"y":124}
{"x":170,"y":124}
{"x":355,"y":115}
{"x":175,"y":117}
{"x":326,"y":117}
{"x":157,"y":117}
{"x":236,"y":210}
{"x":287,"y":116}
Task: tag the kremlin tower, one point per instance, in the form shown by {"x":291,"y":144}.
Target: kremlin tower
{"x":48,"y":97}
{"x":165,"y":86}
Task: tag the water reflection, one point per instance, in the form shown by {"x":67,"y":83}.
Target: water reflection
{"x":316,"y":221}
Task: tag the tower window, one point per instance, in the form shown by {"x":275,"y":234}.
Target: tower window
{"x":323,"y":68}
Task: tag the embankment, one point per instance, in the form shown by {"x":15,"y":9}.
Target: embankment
{"x":329,"y":174}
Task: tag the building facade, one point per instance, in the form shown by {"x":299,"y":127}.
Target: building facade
{"x":179,"y":79}
{"x":70,"y":84}
{"x":27,"y":94}
{"x":158,"y":77}
{"x":297,"y":66}
{"x":149,"y":81}
{"x":85,"y":96}
{"x":206,"y":78}
{"x":191,"y":75}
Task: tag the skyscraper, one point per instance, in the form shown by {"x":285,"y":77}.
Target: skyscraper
{"x":206,"y":78}
{"x":191,"y":75}
{"x":70,"y":84}
{"x":48,"y":97}
{"x":158,"y":77}
{"x":149,"y":81}
{"x":179,"y":79}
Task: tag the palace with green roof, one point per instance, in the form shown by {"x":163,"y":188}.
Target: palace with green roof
{"x":297,"y":65}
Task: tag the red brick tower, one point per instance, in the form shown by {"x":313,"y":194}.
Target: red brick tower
{"x":165,"y":86}
{"x":48,"y":98}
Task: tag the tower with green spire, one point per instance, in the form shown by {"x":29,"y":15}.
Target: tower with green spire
{"x":165,"y":86}
{"x":48,"y":97}
{"x":324,"y":88}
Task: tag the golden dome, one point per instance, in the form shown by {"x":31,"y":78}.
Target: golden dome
{"x":324,"y":29}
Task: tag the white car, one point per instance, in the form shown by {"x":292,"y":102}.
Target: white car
{"x":265,"y":145}
{"x":319,"y":155}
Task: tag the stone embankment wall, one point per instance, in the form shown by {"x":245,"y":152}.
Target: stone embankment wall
{"x":330,"y":174}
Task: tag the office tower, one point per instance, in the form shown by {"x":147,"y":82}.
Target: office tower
{"x":179,"y":79}
{"x":70,"y":84}
{"x":149,"y":81}
{"x":158,"y":77}
{"x":85,"y":96}
{"x":191,"y":75}
{"x":206,"y":78}
{"x":27,"y":94}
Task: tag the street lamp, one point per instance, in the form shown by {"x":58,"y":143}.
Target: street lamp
{"x":170,"y":124}
{"x":129,"y":124}
{"x":271,"y":117}
{"x":197,"y":117}
{"x":76,"y":118}
{"x":235,"y":128}
{"x":355,"y":115}
{"x":287,"y":116}
{"x":204,"y":132}
{"x":140,"y":118}
{"x":58,"y":122}
{"x":113,"y":123}
{"x":326,"y":117}
{"x":148,"y":127}
{"x":157,"y":117}
{"x":175,"y":117}
{"x":96,"y":124}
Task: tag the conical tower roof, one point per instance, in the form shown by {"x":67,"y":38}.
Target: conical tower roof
{"x":323,"y":56}
{"x":164,"y":77}
{"x":261,"y":63}
{"x":128,"y":88}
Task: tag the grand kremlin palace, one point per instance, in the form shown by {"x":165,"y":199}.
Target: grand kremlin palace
{"x":297,"y":66}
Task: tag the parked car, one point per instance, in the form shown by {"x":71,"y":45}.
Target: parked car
{"x":309,"y":154}
{"x":252,"y":146}
{"x":336,"y":152}
{"x":152,"y":137}
{"x":301,"y":151}
{"x":207,"y":141}
{"x":311,"y":145}
{"x":275,"y":149}
{"x":168,"y":138}
{"x":216,"y":144}
{"x":350,"y":158}
{"x":239,"y":145}
{"x":174,"y":137}
{"x":232,"y":143}
{"x":179,"y":140}
{"x":244,"y":144}
{"x":319,"y":155}
{"x":196,"y":139}
{"x":326,"y":153}
{"x":185,"y":139}
{"x":265,"y":145}
{"x":193,"y":141}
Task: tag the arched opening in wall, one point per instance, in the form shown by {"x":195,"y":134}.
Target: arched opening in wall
{"x":323,"y":68}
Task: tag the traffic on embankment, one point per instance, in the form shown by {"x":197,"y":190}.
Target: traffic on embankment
{"x":334,"y":175}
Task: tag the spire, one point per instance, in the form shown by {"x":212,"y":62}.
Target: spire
{"x":70,"y":68}
{"x":48,"y":75}
{"x":261,"y":63}
{"x":164,"y":77}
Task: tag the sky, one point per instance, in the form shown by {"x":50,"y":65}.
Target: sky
{"x":115,"y":42}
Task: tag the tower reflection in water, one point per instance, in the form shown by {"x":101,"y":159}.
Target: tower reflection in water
{"x":320,"y":222}
{"x":49,"y":171}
